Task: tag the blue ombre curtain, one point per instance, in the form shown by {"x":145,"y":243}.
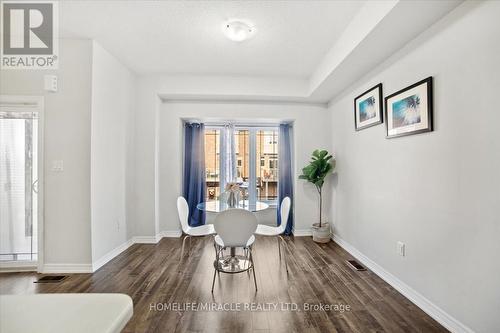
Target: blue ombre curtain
{"x":285,"y":182}
{"x":194,"y":186}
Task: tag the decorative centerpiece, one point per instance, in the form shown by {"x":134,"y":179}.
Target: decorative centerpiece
{"x":232,"y":191}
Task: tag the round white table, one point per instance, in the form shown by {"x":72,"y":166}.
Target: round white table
{"x":219,"y":206}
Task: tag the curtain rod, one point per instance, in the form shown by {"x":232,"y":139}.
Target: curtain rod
{"x":236,"y":124}
{"x":240,"y":125}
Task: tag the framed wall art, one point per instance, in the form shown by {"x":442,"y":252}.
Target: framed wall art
{"x":368,"y":108}
{"x":409,"y":111}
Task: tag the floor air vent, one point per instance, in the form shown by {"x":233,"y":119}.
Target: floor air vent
{"x":51,"y":279}
{"x":356,"y":265}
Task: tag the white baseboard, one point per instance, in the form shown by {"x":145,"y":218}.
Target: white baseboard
{"x":158,"y":237}
{"x":18,"y":266}
{"x":111,"y":255}
{"x":90,"y":268}
{"x":67,"y":268}
{"x":146,"y":239}
{"x":171,"y":233}
{"x":423,"y":303}
{"x":302,"y":232}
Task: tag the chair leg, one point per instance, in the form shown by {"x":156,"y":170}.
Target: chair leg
{"x":247,"y":257}
{"x":216,"y":271}
{"x":284,"y":252}
{"x":213,"y":281}
{"x":183,"y":243}
{"x":279,"y":248}
{"x":253,"y":268}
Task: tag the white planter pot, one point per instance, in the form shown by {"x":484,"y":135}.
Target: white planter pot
{"x":323,"y":234}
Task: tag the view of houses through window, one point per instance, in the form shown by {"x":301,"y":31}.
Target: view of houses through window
{"x":212,"y":163}
{"x":267,"y":165}
{"x":264,"y":151}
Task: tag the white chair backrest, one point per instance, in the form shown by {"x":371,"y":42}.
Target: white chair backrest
{"x":284,"y":212}
{"x":235,"y":226}
{"x":183,"y":211}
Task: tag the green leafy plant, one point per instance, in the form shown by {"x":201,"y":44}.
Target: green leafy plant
{"x":319,"y":167}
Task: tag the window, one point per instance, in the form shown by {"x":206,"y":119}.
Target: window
{"x":267,"y":177}
{"x":259,"y":180}
{"x":242,"y":146}
{"x":273,"y":164}
{"x":212,"y":163}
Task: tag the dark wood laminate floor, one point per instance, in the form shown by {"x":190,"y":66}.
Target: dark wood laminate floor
{"x":318,"y":274}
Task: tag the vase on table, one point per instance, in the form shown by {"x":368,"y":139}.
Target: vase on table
{"x":232,"y":194}
{"x":232,"y":200}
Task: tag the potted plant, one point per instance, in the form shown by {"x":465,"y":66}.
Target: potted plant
{"x":320,"y":166}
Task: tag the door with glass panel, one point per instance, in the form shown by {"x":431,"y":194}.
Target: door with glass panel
{"x":18,"y":183}
{"x":255,"y":158}
{"x":267,"y":165}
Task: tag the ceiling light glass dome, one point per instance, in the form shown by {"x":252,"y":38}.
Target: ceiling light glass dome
{"x":238,"y":30}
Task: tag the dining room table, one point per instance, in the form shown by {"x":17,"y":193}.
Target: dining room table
{"x":217,"y":206}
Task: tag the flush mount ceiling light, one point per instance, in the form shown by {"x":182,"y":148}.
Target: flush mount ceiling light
{"x":238,"y":30}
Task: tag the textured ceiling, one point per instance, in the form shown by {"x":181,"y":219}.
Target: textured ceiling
{"x":184,"y":37}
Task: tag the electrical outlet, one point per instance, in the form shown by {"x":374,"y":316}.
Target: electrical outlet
{"x":57,"y":166}
{"x":401,"y":249}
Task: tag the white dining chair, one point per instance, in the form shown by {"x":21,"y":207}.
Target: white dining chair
{"x":234,"y":228}
{"x":268,"y":231}
{"x":201,"y":231}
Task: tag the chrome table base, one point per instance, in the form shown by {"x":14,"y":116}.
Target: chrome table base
{"x":233,"y":264}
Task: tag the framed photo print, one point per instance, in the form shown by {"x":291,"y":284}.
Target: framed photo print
{"x":409,"y":111}
{"x":368,"y":108}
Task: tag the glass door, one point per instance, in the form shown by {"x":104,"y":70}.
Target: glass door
{"x":267,"y":165}
{"x":18,"y":184}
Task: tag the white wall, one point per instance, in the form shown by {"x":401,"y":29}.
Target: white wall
{"x":111,"y":159}
{"x":67,"y":138}
{"x":144,"y":213}
{"x":158,"y":149}
{"x":310,"y":131}
{"x":89,"y":124}
{"x":437,"y":192}
{"x":147,"y":203}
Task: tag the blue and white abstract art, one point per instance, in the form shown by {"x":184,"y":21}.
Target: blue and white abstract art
{"x":409,"y":111}
{"x":368,"y":108}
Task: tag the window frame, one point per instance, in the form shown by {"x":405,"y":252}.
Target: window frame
{"x":252,"y":152}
